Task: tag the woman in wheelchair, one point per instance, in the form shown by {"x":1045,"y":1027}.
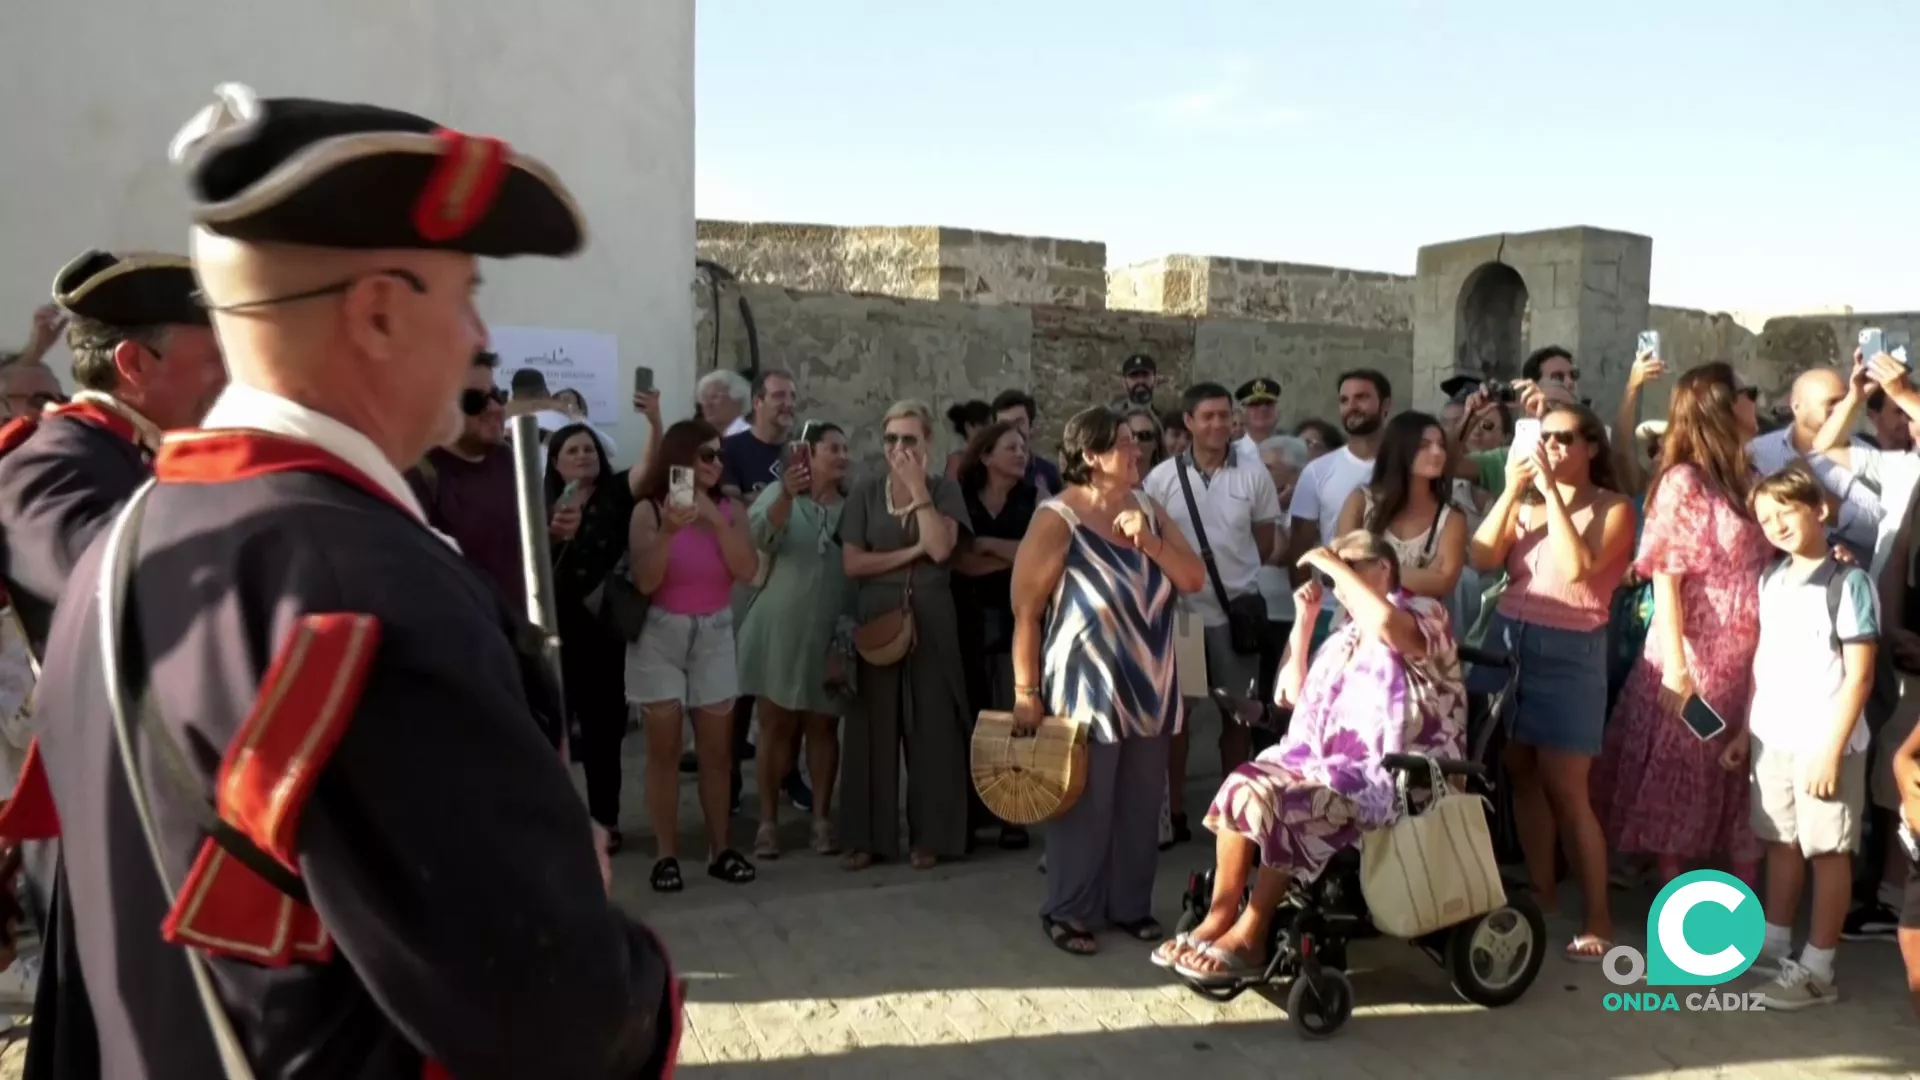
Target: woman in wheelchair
{"x":1388,"y":681}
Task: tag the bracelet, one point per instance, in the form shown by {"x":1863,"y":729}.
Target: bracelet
{"x":1026,"y":691}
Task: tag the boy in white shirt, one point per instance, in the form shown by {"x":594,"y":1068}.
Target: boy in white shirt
{"x":1813,"y":671}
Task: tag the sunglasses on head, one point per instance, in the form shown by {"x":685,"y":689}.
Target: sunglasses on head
{"x":474,"y":402}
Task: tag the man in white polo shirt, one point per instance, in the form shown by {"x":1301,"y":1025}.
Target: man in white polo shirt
{"x":1366,"y":397}
{"x":1238,"y":513}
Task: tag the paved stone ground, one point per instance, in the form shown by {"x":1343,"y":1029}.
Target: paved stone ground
{"x":813,"y":972}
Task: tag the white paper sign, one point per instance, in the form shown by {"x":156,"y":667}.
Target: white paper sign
{"x":581,"y":360}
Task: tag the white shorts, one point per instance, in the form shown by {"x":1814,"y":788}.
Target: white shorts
{"x":1783,"y":812}
{"x":687,"y":659}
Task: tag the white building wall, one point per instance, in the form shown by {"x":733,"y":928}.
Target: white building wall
{"x":91,"y":91}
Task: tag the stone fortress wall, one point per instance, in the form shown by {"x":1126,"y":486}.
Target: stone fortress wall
{"x":868,"y":316}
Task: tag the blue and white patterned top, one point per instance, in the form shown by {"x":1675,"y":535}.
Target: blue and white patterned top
{"x":1107,"y":658}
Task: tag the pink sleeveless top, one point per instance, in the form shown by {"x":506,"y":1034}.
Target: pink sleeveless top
{"x":697,"y":581}
{"x":1537,"y":591}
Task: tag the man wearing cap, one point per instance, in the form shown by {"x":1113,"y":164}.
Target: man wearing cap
{"x":1139,"y":378}
{"x":145,"y":360}
{"x":370,"y":862}
{"x":1259,"y":402}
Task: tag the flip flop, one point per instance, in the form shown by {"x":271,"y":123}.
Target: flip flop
{"x":1162,"y":957}
{"x":1581,"y":949}
{"x":1237,"y":968}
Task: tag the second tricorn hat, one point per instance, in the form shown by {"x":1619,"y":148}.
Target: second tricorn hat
{"x":328,"y":174}
{"x":133,"y":290}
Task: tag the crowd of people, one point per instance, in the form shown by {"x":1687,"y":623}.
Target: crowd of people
{"x":1711,"y":621}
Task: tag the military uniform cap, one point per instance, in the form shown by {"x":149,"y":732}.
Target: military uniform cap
{"x":327,"y":174}
{"x":1257,"y":391}
{"x":132,"y":290}
{"x":1137,"y":364}
{"x":1457,"y":386}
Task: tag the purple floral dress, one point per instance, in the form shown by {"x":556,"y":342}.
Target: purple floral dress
{"x":1311,"y":795}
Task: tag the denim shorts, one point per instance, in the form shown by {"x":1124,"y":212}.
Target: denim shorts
{"x":1560,"y":702}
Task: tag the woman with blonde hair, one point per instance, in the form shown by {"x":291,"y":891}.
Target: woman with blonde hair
{"x":898,"y":536}
{"x":1660,"y":790}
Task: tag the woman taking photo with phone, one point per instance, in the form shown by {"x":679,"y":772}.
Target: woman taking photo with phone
{"x":689,"y":548}
{"x":1660,"y":789}
{"x":790,"y":626}
{"x":591,"y":509}
{"x":1563,"y":535}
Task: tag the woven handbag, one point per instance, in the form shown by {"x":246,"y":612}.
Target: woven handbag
{"x":1432,"y":869}
{"x":1028,"y":779}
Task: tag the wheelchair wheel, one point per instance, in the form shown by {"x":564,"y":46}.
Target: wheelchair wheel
{"x":1319,"y":1002}
{"x":1493,"y":959}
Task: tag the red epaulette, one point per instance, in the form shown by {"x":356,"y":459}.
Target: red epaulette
{"x":303,"y":707}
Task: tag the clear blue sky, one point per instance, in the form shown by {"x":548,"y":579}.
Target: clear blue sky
{"x":1768,"y":147}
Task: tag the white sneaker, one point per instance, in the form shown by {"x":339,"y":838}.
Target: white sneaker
{"x":1769,"y":963}
{"x":19,"y":983}
{"x":1797,"y":987}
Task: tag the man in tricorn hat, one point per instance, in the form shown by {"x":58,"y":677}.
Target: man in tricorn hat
{"x":371,"y":862}
{"x":145,"y":359}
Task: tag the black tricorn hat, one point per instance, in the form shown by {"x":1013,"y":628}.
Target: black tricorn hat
{"x":327,"y":174}
{"x":130,"y":290}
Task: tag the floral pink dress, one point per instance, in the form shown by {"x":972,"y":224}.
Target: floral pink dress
{"x":1658,"y":789}
{"x":1308,"y":797}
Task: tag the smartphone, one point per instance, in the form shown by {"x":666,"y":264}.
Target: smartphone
{"x":643,"y":380}
{"x":1649,"y":344}
{"x":1873,"y":342}
{"x":1701,"y":719}
{"x":567,"y":493}
{"x":1896,"y":342}
{"x":1526,"y":436}
{"x":680,"y":487}
{"x":799,"y":454}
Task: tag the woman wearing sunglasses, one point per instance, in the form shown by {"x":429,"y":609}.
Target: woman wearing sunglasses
{"x":898,"y":536}
{"x":1564,"y":534}
{"x":687,"y":555}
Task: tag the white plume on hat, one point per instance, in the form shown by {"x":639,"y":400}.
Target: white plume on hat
{"x":235,"y":114}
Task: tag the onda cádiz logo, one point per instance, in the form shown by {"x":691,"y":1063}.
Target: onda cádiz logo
{"x":1704,"y":930}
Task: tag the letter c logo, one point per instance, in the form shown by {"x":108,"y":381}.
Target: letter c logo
{"x":1673,"y":924}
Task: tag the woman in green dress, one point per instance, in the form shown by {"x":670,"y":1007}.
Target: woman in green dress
{"x":792,"y":625}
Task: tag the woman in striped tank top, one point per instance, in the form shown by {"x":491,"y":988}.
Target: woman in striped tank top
{"x":1094,"y":585}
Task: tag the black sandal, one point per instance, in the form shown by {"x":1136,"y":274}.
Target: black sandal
{"x":1147,"y":929}
{"x":732,"y":868}
{"x":666,"y":876}
{"x":1013,"y":838}
{"x":1065,"y":937}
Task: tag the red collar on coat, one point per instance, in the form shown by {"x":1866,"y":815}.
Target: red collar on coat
{"x":223,"y":455}
{"x":87,"y":412}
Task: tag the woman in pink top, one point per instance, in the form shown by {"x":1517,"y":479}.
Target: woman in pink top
{"x":1563,"y":533}
{"x":688,"y":558}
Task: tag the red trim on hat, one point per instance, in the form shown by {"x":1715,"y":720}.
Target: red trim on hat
{"x":462,"y":187}
{"x":224,"y":455}
{"x":29,"y":814}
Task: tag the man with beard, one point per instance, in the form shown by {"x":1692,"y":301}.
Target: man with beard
{"x":466,"y":486}
{"x":1140,"y":377}
{"x":1324,"y":485}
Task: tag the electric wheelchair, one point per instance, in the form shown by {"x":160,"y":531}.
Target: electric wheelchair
{"x":1491,"y":959}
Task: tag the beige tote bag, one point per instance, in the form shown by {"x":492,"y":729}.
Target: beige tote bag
{"x":1432,"y":869}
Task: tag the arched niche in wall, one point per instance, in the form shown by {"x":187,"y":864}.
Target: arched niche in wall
{"x":1490,"y":336}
